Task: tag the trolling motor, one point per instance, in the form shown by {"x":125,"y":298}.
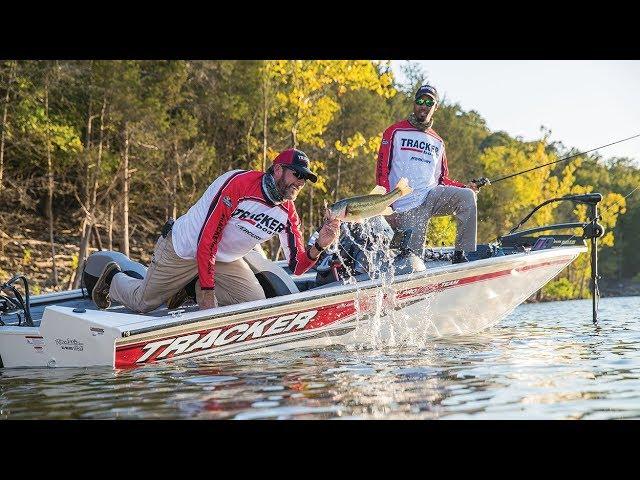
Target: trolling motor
{"x":591,"y":229}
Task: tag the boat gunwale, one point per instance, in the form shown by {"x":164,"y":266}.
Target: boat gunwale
{"x":338,"y":294}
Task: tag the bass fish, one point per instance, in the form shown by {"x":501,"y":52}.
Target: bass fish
{"x":356,"y":209}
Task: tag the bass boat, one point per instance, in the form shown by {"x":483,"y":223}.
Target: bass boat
{"x":369,"y":288}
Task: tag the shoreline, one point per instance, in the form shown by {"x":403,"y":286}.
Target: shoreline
{"x":32,"y":258}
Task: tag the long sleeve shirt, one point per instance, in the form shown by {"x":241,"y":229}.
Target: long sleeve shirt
{"x":231,"y":218}
{"x":416,"y":155}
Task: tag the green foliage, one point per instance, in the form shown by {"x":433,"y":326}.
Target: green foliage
{"x":561,"y":289}
{"x":74,"y":261}
{"x":190,"y":121}
{"x":442,"y":231}
{"x":26,"y":256}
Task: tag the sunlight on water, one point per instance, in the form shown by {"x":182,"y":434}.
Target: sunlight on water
{"x":544,"y":361}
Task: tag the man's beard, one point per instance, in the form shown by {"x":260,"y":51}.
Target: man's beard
{"x":288,"y":192}
{"x":425,"y":125}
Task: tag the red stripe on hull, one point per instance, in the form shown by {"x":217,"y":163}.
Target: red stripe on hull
{"x":271,"y":327}
{"x":208,"y":340}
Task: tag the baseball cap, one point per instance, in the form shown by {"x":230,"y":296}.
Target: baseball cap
{"x":296,"y":160}
{"x":428,"y":90}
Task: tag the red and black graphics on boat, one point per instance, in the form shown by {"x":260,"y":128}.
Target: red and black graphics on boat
{"x":259,"y":331}
{"x":272,"y":330}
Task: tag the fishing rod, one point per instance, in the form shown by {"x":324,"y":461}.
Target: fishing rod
{"x":480,"y":182}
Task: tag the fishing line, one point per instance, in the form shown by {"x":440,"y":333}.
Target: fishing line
{"x":486,"y":181}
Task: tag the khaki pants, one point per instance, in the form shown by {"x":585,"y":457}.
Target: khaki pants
{"x":168,"y":273}
{"x":441,"y":200}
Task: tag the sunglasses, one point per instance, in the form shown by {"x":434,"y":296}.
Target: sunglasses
{"x":429,"y":102}
{"x":297,"y":174}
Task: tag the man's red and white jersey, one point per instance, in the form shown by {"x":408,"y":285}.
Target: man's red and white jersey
{"x":230,"y":219}
{"x":416,"y":155}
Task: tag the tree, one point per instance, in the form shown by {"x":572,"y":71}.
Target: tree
{"x":6,"y":83}
{"x":307,"y":99}
{"x":46,"y":132}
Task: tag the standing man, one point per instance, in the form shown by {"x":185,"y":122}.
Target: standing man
{"x":239,"y":210}
{"x":412,"y":149}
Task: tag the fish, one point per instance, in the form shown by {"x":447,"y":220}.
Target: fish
{"x":377,"y":202}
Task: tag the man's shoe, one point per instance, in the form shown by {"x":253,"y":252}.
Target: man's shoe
{"x":100,"y":293}
{"x":459,"y":257}
{"x":177,"y":299}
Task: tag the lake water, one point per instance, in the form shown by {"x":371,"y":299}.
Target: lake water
{"x":544,"y":361}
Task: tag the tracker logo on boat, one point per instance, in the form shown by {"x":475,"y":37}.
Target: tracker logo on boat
{"x":228,"y":335}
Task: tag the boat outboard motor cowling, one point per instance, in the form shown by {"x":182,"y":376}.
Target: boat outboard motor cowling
{"x":97,"y":261}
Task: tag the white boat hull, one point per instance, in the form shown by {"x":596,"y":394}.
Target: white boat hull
{"x":442,"y":301}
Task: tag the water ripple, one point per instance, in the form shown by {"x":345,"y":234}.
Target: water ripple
{"x":544,"y":361}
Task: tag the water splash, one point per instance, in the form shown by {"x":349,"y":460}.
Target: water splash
{"x":380,"y":319}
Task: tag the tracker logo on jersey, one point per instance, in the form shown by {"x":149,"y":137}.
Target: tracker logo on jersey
{"x":411,"y":144}
{"x":261,"y":220}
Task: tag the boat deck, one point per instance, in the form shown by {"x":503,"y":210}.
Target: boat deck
{"x":80,"y":302}
{"x":78,"y":299}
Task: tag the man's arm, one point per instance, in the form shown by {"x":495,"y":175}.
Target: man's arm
{"x":222,"y":206}
{"x":385,"y":155}
{"x":328,"y":234}
{"x":444,"y":175}
{"x":291,"y":241}
{"x":208,"y":300}
{"x":300,"y":258}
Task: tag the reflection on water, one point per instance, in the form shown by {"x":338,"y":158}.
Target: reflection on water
{"x":543,"y":361}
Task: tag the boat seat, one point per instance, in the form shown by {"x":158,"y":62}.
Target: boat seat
{"x":275,"y":281}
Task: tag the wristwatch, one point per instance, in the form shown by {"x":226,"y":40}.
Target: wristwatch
{"x":318,"y":247}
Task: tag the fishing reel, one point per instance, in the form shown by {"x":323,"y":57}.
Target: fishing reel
{"x":481,"y":182}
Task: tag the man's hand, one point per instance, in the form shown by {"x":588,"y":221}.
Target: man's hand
{"x":330,"y":230}
{"x":477,"y":183}
{"x":208,"y":300}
